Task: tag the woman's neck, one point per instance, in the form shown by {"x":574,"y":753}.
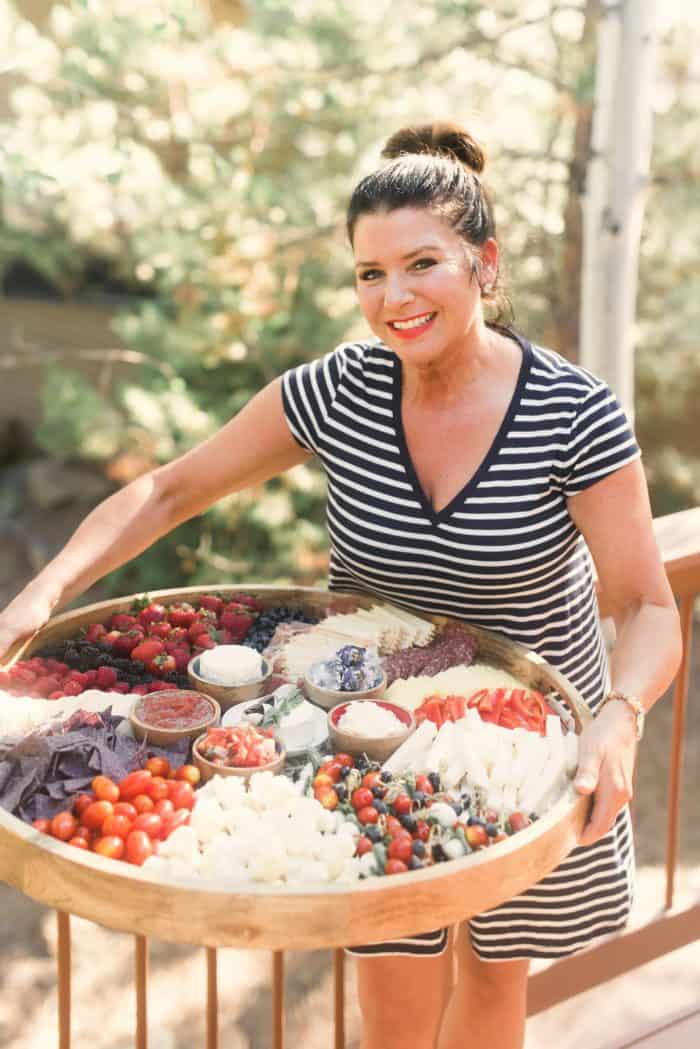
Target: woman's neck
{"x":442,"y":382}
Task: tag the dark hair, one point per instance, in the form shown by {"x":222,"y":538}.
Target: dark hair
{"x":434,"y":166}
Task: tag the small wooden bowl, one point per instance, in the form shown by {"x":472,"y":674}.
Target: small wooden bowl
{"x":163,"y":737}
{"x":228,"y":695}
{"x":209,"y":769}
{"x":378,"y":748}
{"x":330,"y":697}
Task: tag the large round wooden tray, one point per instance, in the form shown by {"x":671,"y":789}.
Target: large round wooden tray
{"x":190,"y":911}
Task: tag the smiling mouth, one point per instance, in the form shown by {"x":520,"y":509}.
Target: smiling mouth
{"x":412,"y":324}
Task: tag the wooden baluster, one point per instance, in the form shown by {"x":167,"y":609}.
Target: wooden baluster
{"x":339,"y":998}
{"x":63,"y":963}
{"x":680,"y":697}
{"x":212,"y":1000}
{"x":141,"y":982}
{"x":278,"y":1000}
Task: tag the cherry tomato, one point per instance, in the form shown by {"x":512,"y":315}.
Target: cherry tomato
{"x":82,"y":831}
{"x":82,"y":802}
{"x":43,"y":825}
{"x":117,"y":825}
{"x":142,"y":803}
{"x":173,"y":820}
{"x":373,"y":779}
{"x":95,"y":814}
{"x":164,"y":806}
{"x":393,"y":826}
{"x":158,"y":788}
{"x":476,"y":836}
{"x":111,"y":846}
{"x":105,"y":789}
{"x":150,"y":822}
{"x":423,"y":784}
{"x":158,"y":766}
{"x":368,"y":814}
{"x":322,"y":779}
{"x":329,"y":770}
{"x":190,"y":773}
{"x":400,"y":848}
{"x":79,"y":842}
{"x":363,"y":845}
{"x":126,"y":809}
{"x":395,"y":867}
{"x":345,"y":761}
{"x":181,"y":794}
{"x":422,"y":831}
{"x":138,"y":847}
{"x":328,"y":798}
{"x":135,"y":783}
{"x":361,"y":797}
{"x":402,"y":805}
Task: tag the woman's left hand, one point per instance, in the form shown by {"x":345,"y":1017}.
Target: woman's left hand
{"x":607,"y":751}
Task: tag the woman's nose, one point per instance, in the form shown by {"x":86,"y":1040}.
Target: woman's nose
{"x":397,"y":292}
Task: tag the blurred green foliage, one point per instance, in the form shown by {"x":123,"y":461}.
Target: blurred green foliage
{"x":203,"y":165}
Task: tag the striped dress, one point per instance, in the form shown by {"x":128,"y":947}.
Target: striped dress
{"x":504,"y":554}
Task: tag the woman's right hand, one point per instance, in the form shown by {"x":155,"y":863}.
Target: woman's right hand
{"x":22,"y":618}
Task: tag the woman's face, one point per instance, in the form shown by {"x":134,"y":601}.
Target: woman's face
{"x":416,"y":284}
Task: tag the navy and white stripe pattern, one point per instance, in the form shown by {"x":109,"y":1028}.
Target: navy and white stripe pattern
{"x":504,"y":554}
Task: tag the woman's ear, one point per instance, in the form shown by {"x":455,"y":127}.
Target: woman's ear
{"x":488,"y":268}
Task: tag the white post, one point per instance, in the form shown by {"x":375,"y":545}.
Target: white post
{"x":618,"y":178}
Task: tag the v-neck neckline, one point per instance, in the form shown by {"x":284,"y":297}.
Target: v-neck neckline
{"x":441,"y":516}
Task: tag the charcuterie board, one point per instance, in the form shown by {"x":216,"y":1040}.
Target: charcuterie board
{"x":295,"y":916}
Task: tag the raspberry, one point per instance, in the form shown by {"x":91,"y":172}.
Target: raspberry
{"x":106,"y":677}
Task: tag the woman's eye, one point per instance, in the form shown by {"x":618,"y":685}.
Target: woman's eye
{"x":370,"y":274}
{"x":424,"y":264}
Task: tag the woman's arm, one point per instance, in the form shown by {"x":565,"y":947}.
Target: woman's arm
{"x":615,"y":519}
{"x":254,"y":446}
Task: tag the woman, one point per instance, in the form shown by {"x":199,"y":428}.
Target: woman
{"x":470,"y":474}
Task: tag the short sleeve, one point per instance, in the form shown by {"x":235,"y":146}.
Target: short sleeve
{"x":601,"y":441}
{"x":308,"y":393}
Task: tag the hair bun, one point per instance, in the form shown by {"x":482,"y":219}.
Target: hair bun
{"x":441,"y":139}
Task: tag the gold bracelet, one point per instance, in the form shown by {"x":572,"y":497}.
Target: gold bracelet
{"x":633,"y":703}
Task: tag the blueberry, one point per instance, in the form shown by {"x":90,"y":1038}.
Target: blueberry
{"x":409,"y":822}
{"x":419,"y":798}
{"x":456,"y":805}
{"x":419,"y":849}
{"x":438,"y":853}
{"x":491,"y":830}
{"x":378,"y":791}
{"x":342,"y":791}
{"x":472,"y":820}
{"x":345,"y":772}
{"x":414,"y":864}
{"x":386,"y":777}
{"x":434,"y":780}
{"x":374,"y":834}
{"x":380,"y":807}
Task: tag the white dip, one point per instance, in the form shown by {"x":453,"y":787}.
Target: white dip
{"x":369,"y":719}
{"x":230,"y":664}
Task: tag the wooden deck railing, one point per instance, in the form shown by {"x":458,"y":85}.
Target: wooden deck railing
{"x":679,"y":540}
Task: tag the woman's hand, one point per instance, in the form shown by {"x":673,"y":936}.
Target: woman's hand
{"x":607,"y":752}
{"x":29,"y":611}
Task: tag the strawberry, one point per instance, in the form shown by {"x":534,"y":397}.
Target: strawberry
{"x":225,"y":637}
{"x":204,"y":641}
{"x":237,"y":623}
{"x":152,"y":613}
{"x":250,"y":602}
{"x":162,"y":664}
{"x":181,"y":614}
{"x":122,"y":621}
{"x":147,"y":650}
{"x":212,"y":602}
{"x":159,"y":629}
{"x":140,"y":690}
{"x":178,"y":636}
{"x":106,"y":677}
{"x":126,"y":643}
{"x":44,"y":686}
{"x":110,"y":638}
{"x":198,"y":629}
{"x":122,"y":687}
{"x":95,"y":632}
{"x":182,"y":656}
